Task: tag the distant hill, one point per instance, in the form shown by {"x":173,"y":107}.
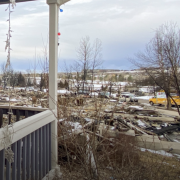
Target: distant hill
{"x":106,"y":70}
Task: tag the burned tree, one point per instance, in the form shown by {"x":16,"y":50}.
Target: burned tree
{"x":44,"y":65}
{"x":89,"y":57}
{"x":111,"y":84}
{"x":77,"y":69}
{"x":21,"y":80}
{"x":13,"y":78}
{"x":42,"y":82}
{"x":96,"y":56}
{"x":68,"y":74}
{"x":161,"y":58}
{"x":9,"y":76}
{"x":5,"y":75}
{"x":28,"y":78}
{"x":84,"y":54}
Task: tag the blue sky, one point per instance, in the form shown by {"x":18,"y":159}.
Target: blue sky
{"x":124,"y":27}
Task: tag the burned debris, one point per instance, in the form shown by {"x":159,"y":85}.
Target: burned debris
{"x":111,"y":132}
{"x":112,"y":118}
{"x":93,"y":129}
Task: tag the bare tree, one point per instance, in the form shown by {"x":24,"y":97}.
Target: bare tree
{"x":9,"y":76}
{"x":68,"y":73}
{"x":4,"y":75}
{"x":42,"y":82}
{"x":34,"y":67}
{"x":89,"y":57}
{"x":171,"y":46}
{"x":28,"y":76}
{"x":44,"y":63}
{"x":13,"y":78}
{"x":76,"y":68}
{"x":96,"y":56}
{"x":84,"y":54}
{"x":111,"y":84}
{"x":161,"y":58}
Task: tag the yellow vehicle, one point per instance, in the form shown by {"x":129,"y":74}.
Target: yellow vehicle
{"x":160,"y":99}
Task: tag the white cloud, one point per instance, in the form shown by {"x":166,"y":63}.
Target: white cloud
{"x":72,"y":2}
{"x":124,"y":26}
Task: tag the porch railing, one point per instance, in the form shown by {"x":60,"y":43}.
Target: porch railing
{"x":31,"y":144}
{"x":19,"y":111}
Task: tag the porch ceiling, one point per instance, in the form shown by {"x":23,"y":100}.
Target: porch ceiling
{"x":7,"y":1}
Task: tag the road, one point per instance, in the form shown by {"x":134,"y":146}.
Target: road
{"x":143,"y":101}
{"x":162,"y":108}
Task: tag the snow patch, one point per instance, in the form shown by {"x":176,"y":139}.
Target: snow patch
{"x":144,"y":97}
{"x":160,"y":152}
{"x":136,"y":107}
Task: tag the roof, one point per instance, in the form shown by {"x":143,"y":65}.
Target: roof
{"x":7,"y":1}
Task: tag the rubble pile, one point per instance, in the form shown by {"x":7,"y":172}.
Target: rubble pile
{"x":24,"y":98}
{"x":108,"y":129}
{"x":114,"y":118}
{"x":144,"y":121}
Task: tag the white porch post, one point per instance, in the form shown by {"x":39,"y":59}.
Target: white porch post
{"x":53,"y":55}
{"x":53,"y":69}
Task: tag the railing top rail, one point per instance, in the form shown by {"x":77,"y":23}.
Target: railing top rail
{"x":23,"y":128}
{"x":23,"y":108}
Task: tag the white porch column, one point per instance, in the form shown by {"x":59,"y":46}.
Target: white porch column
{"x":53,"y":59}
{"x":53,"y":70}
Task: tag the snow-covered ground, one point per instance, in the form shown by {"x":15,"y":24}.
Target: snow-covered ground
{"x":123,"y":83}
{"x":112,"y":100}
{"x":20,"y":88}
{"x":94,"y":94}
{"x":113,"y":95}
{"x":146,"y":89}
{"x":161,"y":152}
{"x":7,"y":99}
{"x":136,"y":107}
{"x":63,"y":91}
{"x":144,"y":97}
{"x":97,"y":86}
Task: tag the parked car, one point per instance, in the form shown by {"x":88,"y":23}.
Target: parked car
{"x":84,"y":92}
{"x":124,"y":94}
{"x":133,"y":98}
{"x":128,"y":98}
{"x":104,"y":94}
